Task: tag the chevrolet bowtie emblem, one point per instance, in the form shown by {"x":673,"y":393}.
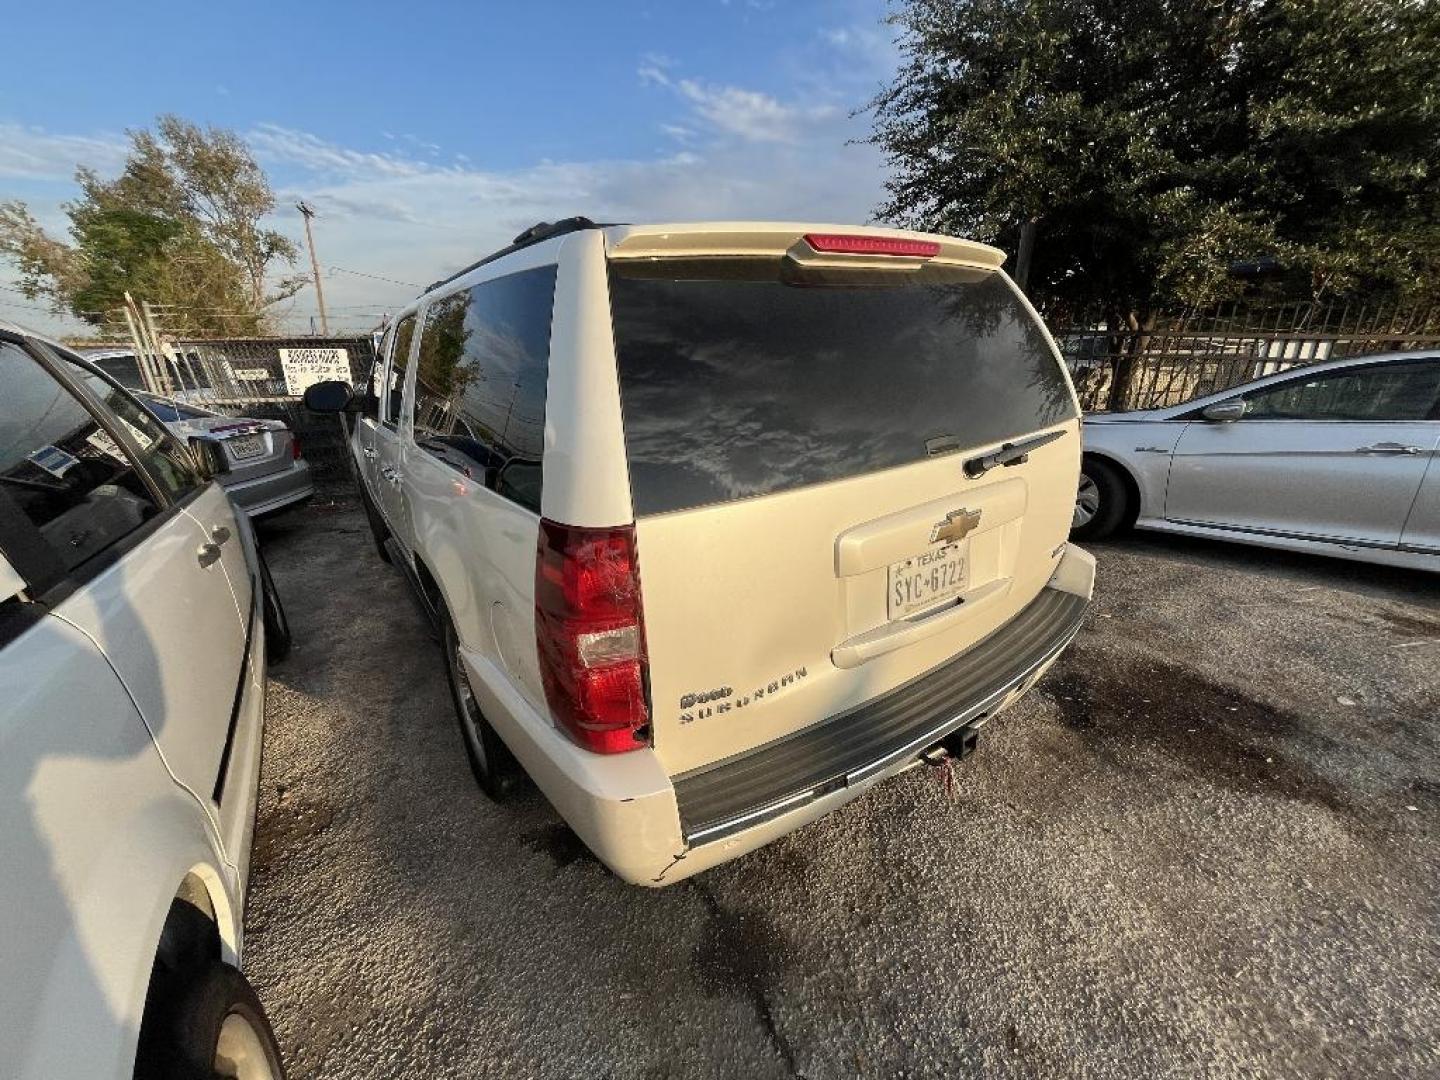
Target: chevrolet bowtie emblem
{"x":957,"y":525}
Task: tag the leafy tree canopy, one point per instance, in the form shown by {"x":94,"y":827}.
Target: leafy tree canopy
{"x":1152,"y":143}
{"x":179,"y":226}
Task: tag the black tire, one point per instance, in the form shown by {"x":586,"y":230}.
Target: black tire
{"x":211,"y":1025}
{"x":377,"y":527}
{"x":495,"y":768}
{"x":1111,"y":508}
{"x":277,"y":623}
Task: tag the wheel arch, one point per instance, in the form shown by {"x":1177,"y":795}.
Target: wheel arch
{"x":1127,"y":477}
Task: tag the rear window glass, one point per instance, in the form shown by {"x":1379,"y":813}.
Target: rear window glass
{"x":741,"y":378}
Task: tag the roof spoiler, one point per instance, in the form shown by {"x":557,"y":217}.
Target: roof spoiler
{"x":764,"y":238}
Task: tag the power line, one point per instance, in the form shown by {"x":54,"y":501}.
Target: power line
{"x":373,"y":277}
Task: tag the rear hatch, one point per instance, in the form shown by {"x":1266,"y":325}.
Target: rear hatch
{"x":817,"y":522}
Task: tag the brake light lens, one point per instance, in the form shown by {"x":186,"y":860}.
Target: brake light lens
{"x":590,"y":636}
{"x":295,"y":446}
{"x":840,"y":244}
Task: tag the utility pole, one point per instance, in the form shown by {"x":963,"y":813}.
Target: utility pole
{"x":307,"y":212}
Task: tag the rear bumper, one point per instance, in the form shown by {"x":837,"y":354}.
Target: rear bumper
{"x":845,"y":750}
{"x":654,"y":830}
{"x":273,"y":491}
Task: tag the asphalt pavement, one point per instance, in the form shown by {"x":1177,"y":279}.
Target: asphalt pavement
{"x":1204,"y":846}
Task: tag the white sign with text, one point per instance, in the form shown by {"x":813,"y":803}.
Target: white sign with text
{"x":305,"y":367}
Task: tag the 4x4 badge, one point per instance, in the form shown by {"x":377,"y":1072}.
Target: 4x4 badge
{"x":957,"y":525}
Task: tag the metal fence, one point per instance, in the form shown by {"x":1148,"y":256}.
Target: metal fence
{"x":1185,"y":356}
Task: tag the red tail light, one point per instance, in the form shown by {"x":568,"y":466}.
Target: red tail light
{"x":590,"y":636}
{"x":833,"y":243}
{"x":295,"y":446}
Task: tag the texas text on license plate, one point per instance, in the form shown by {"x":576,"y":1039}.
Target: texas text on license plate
{"x":927,"y":580}
{"x":242,"y":447}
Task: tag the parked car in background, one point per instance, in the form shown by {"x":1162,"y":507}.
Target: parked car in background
{"x":1337,"y":458}
{"x":258,"y":462}
{"x":184,"y":369}
{"x":721,"y":524}
{"x":136,"y":620}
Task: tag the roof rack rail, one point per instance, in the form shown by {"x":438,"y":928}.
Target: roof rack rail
{"x":543,"y":230}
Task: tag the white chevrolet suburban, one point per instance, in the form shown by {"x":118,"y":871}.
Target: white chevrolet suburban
{"x":722,"y":523}
{"x":136,"y":615}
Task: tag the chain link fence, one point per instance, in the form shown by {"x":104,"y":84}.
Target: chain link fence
{"x":253,"y":377}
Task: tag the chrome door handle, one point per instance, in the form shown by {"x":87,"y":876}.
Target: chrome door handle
{"x":1390,"y":448}
{"x":368,"y":451}
{"x":390,"y":473}
{"x":219,"y":534}
{"x":208,"y":554}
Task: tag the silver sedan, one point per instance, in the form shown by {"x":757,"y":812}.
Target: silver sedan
{"x":257,"y":462}
{"x":1338,"y":458}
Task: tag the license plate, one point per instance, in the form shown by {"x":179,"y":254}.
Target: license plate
{"x":928,"y":580}
{"x":244,"y":447}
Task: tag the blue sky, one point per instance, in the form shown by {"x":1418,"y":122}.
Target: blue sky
{"x":427,"y":134}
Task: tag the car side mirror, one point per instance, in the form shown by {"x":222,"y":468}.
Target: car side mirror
{"x":1223,"y":412}
{"x":331,"y":396}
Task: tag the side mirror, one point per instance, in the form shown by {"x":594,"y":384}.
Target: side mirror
{"x":1223,"y":412}
{"x":332,"y":396}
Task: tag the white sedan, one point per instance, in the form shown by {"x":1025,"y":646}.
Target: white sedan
{"x":1338,"y":458}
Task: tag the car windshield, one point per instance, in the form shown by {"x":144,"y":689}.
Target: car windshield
{"x":742,"y":377}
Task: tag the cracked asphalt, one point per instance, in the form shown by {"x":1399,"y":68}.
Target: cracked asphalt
{"x":1206,"y":845}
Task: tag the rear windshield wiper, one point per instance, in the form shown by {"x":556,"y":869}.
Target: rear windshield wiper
{"x":1011,"y":453}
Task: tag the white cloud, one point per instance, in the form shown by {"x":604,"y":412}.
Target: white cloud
{"x":405,"y":214}
{"x":274,"y":144}
{"x":32,"y":153}
{"x":750,"y":114}
{"x":734,"y":111}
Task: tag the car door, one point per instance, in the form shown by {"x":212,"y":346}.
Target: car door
{"x":1332,"y":455}
{"x":122,"y":540}
{"x":388,"y":485}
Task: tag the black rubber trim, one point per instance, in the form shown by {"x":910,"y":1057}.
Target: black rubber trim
{"x":221,"y":775}
{"x":736,"y":793}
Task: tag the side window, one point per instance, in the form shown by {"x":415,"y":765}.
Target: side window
{"x":480,"y":382}
{"x":161,"y":454}
{"x":70,"y":490}
{"x":400,"y":356}
{"x":1395,"y":391}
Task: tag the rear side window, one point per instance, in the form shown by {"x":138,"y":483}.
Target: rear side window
{"x":480,"y":382}
{"x":741,"y":378}
{"x":404,"y":334}
{"x":75,"y":487}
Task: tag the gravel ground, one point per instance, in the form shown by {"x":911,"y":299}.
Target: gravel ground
{"x":1204,"y":846}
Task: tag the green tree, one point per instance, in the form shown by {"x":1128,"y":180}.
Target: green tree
{"x":1148,"y":144}
{"x":180,"y":226}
